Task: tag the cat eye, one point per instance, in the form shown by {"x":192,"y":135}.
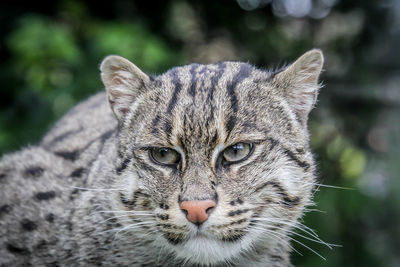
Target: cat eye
{"x":237,"y":152}
{"x":165,"y":156}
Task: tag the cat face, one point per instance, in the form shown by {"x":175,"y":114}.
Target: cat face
{"x":214,"y":159}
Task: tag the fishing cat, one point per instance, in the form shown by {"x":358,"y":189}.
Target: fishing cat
{"x":204,"y":165}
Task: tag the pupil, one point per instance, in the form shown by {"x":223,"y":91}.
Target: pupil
{"x":163,"y":152}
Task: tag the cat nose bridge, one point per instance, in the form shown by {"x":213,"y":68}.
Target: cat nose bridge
{"x":198,"y":185}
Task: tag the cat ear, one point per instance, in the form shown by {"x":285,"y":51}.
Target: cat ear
{"x":123,"y":81}
{"x":300,"y":84}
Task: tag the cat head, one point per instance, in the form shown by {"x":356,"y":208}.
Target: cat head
{"x":214,"y":158}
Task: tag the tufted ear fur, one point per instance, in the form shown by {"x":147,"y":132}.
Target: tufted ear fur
{"x":299,"y":82}
{"x":123,"y":81}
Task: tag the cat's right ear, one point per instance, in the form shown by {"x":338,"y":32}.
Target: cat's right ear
{"x":124,"y":82}
{"x":299,"y":82}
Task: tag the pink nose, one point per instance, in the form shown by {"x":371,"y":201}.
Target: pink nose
{"x":197,"y":210}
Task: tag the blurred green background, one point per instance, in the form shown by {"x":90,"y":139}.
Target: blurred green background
{"x":50,"y":52}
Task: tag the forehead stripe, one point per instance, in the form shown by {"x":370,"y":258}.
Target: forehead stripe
{"x":215,"y":79}
{"x":192,"y":89}
{"x":177,"y":88}
{"x":243,"y":73}
{"x":214,"y":82}
{"x":155,"y":123}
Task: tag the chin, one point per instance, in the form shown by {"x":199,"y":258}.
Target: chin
{"x":208,"y":250}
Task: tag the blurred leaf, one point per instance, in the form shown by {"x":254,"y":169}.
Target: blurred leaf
{"x":353,"y":162}
{"x":133,"y":42}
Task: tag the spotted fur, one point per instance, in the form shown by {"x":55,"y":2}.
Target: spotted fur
{"x":89,"y":194}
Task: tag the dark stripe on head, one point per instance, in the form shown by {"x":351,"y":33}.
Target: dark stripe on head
{"x":230,"y":123}
{"x":154,"y":124}
{"x":204,"y":69}
{"x":178,"y":87}
{"x":214,"y":83}
{"x":192,"y":89}
{"x":244,"y":72}
{"x":215,"y":79}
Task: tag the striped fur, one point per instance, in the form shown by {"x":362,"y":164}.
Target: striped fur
{"x":90,"y":194}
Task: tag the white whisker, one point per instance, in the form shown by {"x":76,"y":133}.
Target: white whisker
{"x":94,"y":189}
{"x":130,"y":226}
{"x":297,"y":225}
{"x":276,"y":235}
{"x":302,"y":244}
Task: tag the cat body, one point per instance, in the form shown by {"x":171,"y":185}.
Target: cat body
{"x":204,"y":165}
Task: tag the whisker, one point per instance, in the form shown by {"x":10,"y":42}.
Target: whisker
{"x":133,"y":225}
{"x":95,"y":189}
{"x":314,"y":210}
{"x":316,"y":240}
{"x":302,"y":227}
{"x":333,"y":186}
{"x":275,"y":234}
{"x":133,"y":212}
{"x":302,"y":244}
{"x":120,"y":216}
{"x":120,"y":235}
{"x":297,"y":225}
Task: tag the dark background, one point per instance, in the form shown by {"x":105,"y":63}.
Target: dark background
{"x":50,"y":52}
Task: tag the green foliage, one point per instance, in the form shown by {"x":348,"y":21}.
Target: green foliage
{"x":134,"y":42}
{"x":55,"y":63}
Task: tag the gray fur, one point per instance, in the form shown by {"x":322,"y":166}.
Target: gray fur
{"x":89,"y":194}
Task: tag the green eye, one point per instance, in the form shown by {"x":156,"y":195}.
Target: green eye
{"x":165,"y":156}
{"x":237,"y":152}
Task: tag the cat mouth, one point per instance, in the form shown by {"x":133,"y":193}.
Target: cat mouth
{"x":176,"y":239}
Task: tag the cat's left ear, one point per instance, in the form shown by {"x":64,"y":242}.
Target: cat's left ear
{"x":299,"y":82}
{"x":124,"y":82}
